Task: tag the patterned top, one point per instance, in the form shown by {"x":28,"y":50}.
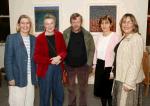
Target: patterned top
{"x":26,"y":40}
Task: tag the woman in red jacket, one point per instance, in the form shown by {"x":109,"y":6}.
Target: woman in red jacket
{"x":50,"y":51}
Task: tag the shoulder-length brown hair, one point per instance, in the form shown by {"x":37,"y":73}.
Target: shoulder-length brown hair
{"x":18,"y":22}
{"x":133,"y":19}
{"x":107,"y":18}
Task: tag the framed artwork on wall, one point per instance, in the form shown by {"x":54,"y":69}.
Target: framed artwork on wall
{"x":97,"y":11}
{"x":40,"y":12}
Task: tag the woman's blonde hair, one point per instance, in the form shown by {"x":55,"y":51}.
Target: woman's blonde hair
{"x":133,"y":19}
{"x":19,"y":20}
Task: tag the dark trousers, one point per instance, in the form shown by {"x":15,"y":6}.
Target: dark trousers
{"x":104,"y":101}
{"x":82,"y":76}
{"x":51,"y":84}
{"x":102,"y":83}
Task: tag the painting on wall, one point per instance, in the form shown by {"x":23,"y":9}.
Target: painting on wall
{"x":40,"y":12}
{"x":96,"y":11}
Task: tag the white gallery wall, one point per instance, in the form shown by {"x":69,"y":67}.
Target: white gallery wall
{"x":137,"y":7}
{"x":18,"y":7}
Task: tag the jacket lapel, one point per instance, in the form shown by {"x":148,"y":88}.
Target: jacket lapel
{"x":45,"y":43}
{"x":31,"y":47}
{"x":22,"y":43}
{"x":68,"y":37}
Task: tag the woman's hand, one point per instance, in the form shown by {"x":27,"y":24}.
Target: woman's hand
{"x":11,"y":83}
{"x":56,"y":60}
{"x":126,"y":88}
{"x":111,"y":75}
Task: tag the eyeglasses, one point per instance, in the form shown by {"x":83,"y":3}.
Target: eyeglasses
{"x":127,"y":22}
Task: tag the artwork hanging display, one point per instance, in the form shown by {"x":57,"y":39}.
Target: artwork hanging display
{"x":40,"y":12}
{"x":96,"y":11}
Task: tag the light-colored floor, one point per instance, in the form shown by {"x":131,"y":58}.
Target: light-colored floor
{"x":92,"y":101}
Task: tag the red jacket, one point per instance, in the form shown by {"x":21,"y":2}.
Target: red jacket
{"x":41,"y":53}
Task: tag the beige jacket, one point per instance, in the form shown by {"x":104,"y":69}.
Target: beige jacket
{"x":129,"y":61}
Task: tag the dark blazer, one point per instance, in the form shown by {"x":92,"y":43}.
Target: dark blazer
{"x":15,"y":59}
{"x":41,"y":54}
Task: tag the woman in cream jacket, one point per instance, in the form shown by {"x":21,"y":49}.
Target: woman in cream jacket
{"x":129,"y":73}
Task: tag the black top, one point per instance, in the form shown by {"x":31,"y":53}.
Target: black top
{"x":51,"y":45}
{"x":76,"y":50}
{"x":114,"y":63}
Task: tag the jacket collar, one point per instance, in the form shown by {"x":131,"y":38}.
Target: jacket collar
{"x":55,"y":33}
{"x":69,"y":31}
{"x":23,"y":45}
{"x":130,"y":35}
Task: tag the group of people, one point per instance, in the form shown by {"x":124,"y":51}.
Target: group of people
{"x":116,"y":61}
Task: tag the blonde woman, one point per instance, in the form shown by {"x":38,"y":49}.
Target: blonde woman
{"x":129,"y":73}
{"x":19,"y":64}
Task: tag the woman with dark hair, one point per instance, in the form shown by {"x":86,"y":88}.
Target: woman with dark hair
{"x":19,"y":64}
{"x":129,"y":73}
{"x":103,"y":59}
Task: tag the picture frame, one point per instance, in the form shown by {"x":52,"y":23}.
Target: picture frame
{"x":41,"y":11}
{"x":97,"y":11}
